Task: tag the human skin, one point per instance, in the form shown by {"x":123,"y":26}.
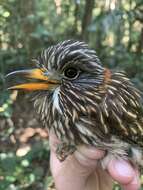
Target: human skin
{"x":82,"y":171}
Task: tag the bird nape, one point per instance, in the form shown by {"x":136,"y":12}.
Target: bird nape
{"x":85,"y":103}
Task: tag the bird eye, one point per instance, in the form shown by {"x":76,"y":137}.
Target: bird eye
{"x":71,"y":73}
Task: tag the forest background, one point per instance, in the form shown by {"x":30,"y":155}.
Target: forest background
{"x":114,"y":28}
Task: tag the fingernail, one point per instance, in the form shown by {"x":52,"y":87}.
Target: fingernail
{"x":121,"y":171}
{"x":124,"y":169}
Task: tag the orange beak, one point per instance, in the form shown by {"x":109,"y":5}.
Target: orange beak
{"x":45,"y":82}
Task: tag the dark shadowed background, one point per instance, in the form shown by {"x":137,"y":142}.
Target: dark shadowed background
{"x":114,"y":28}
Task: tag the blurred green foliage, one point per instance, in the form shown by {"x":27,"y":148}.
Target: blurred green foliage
{"x":113,"y":27}
{"x":22,"y":172}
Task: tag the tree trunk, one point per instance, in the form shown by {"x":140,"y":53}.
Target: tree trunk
{"x":87,"y":17}
{"x":140,"y":43}
{"x":28,"y":25}
{"x":76,"y":17}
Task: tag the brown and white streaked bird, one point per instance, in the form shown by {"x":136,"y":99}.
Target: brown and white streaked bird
{"x":85,"y":103}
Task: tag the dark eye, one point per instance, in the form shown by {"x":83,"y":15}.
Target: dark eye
{"x":71,"y":73}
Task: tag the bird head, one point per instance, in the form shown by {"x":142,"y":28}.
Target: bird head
{"x":68,"y":73}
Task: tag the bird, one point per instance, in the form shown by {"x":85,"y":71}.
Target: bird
{"x":85,"y":103}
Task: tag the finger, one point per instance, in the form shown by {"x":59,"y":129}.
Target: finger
{"x":88,"y":156}
{"x":68,"y":174}
{"x":91,"y":152}
{"x":134,"y":184}
{"x":123,"y":172}
{"x":88,"y":152}
{"x":81,"y":155}
{"x":53,"y":141}
{"x":85,"y":161}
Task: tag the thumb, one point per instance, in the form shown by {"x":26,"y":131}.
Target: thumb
{"x":124,"y":173}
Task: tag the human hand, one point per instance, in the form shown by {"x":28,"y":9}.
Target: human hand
{"x":81,"y":171}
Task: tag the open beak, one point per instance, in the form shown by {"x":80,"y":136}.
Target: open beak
{"x":43,"y":81}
